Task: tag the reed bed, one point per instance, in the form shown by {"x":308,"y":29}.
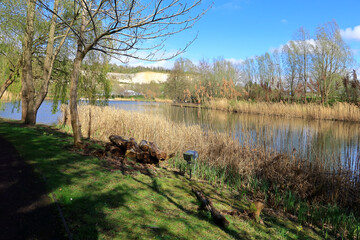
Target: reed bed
{"x":219,"y":149}
{"x":339,"y":111}
{"x":283,"y":180}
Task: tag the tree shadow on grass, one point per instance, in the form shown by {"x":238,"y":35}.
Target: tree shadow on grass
{"x":200,"y":215}
{"x":26,"y":210}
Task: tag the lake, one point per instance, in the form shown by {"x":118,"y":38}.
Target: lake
{"x":334,"y":143}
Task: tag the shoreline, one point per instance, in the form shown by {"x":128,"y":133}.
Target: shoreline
{"x":342,"y":112}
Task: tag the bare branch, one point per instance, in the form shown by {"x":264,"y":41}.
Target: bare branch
{"x":62,"y":20}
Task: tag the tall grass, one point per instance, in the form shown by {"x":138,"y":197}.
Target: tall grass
{"x":282,"y":180}
{"x":219,"y":149}
{"x":339,"y":111}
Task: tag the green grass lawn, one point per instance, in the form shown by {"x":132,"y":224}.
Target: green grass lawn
{"x":99,"y":202}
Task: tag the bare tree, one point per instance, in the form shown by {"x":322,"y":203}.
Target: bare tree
{"x":303,"y":53}
{"x":123,"y":29}
{"x":266,"y":73}
{"x":278,"y":71}
{"x":331,"y":58}
{"x":248,"y":73}
{"x":179,"y":80}
{"x":290,"y":63}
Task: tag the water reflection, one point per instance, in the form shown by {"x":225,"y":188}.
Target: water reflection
{"x":332,"y":143}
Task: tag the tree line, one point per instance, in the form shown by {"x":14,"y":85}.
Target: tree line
{"x":318,"y":68}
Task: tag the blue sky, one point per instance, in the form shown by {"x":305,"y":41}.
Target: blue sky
{"x":236,"y":29}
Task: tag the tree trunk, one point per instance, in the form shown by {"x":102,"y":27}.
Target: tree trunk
{"x":31,"y":101}
{"x":74,"y":79}
{"x":75,"y":123}
{"x":49,"y":59}
{"x":28,"y":89}
{"x":65,"y":116}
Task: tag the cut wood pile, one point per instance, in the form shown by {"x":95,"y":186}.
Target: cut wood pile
{"x":144,"y":152}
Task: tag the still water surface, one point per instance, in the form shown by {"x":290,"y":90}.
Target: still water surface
{"x":333,"y":143}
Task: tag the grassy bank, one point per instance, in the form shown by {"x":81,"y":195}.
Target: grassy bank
{"x":339,"y":111}
{"x":310,"y":190}
{"x":100,"y":201}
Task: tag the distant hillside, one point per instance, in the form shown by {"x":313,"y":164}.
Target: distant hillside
{"x":138,"y":69}
{"x":138,"y":78}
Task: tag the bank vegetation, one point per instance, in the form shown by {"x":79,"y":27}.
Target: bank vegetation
{"x":340,"y":111}
{"x":313,"y":191}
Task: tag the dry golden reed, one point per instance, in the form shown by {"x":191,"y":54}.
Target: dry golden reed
{"x":310,"y":180}
{"x":340,"y":111}
{"x":217,"y":148}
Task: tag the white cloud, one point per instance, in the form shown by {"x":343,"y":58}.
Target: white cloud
{"x":351,"y":33}
{"x":311,"y":42}
{"x":284,"y":21}
{"x":234,"y":60}
{"x":273,"y":49}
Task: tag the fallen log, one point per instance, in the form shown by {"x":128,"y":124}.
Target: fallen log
{"x":155,"y":152}
{"x":118,"y":141}
{"x":114,"y":150}
{"x":144,"y":152}
{"x":144,"y":145}
{"x":218,"y":218}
